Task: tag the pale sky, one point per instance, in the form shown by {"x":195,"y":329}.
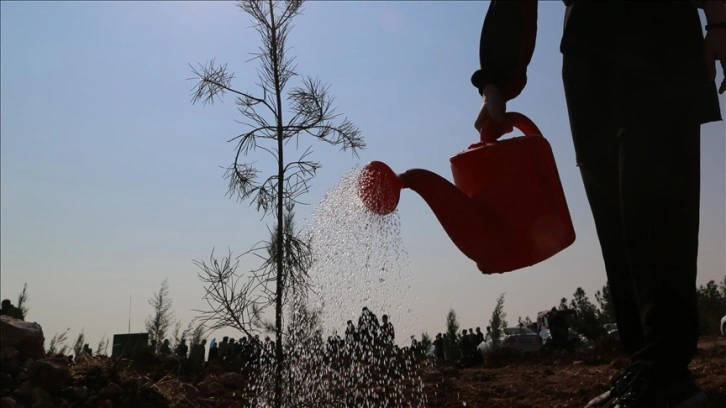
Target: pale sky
{"x":111,"y":179}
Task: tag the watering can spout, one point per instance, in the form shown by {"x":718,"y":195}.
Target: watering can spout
{"x":470,"y":225}
{"x":506,"y":209}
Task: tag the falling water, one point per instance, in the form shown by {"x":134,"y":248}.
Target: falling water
{"x":358,"y":261}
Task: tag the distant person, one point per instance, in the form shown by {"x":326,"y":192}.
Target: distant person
{"x":222,"y":348}
{"x":196,"y":354}
{"x":9,"y":310}
{"x":212,"y":350}
{"x":367,"y":326}
{"x":350,"y":332}
{"x":182,"y":349}
{"x":232,"y":349}
{"x":559,"y":327}
{"x":479,"y":336}
{"x":165,"y":348}
{"x":465,"y":344}
{"x":87,"y":349}
{"x":439,"y":347}
{"x":414,"y":345}
{"x":388,"y":333}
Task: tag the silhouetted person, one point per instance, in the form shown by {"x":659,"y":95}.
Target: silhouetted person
{"x":350,"y":333}
{"x":165,"y":348}
{"x":196,"y":354}
{"x":182,"y":349}
{"x":213,"y":350}
{"x":388,"y":333}
{"x":479,"y":336}
{"x":464,"y":344}
{"x":439,"y":347}
{"x":558,"y":328}
{"x":367,"y":326}
{"x":232,"y":348}
{"x":9,"y":310}
{"x":87,"y":349}
{"x":222,"y":348}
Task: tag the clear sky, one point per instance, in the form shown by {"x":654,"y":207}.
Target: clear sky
{"x":111,"y":179}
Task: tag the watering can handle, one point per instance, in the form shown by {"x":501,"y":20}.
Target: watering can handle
{"x":490,"y":132}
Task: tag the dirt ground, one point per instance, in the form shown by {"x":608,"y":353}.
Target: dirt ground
{"x":542,"y":380}
{"x":559,"y":380}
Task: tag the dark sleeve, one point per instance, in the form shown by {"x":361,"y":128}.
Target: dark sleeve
{"x":506,"y":46}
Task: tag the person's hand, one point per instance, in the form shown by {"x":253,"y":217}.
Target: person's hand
{"x":715,"y":50}
{"x":494,"y":109}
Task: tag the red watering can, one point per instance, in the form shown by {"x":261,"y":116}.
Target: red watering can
{"x":507,"y":209}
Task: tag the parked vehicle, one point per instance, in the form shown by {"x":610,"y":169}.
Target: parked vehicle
{"x":515,"y":338}
{"x":574,"y":339}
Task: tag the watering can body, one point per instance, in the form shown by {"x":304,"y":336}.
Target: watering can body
{"x":506,"y":209}
{"x":516,"y":181}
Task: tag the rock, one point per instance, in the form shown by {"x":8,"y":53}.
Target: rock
{"x":8,"y":402}
{"x":79,"y":393}
{"x":105,"y":404}
{"x":41,"y":398}
{"x":112,"y":390}
{"x":48,"y":375}
{"x":210,"y":386}
{"x":232,"y":380}
{"x":24,"y":389}
{"x":6,"y":380}
{"x":26,"y":337}
{"x":190,"y":389}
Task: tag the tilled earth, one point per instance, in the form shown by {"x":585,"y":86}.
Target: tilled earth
{"x":558,"y":380}
{"x":554,"y":380}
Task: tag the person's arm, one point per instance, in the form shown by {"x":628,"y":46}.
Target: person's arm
{"x":506,"y":46}
{"x":505,"y":49}
{"x":715,"y":45}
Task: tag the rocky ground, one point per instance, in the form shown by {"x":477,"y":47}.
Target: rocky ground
{"x":507,"y":380}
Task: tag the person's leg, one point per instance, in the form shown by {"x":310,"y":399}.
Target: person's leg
{"x":660,"y":187}
{"x":596,"y":139}
{"x":642,"y":182}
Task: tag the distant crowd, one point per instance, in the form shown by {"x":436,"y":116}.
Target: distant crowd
{"x":368,"y":338}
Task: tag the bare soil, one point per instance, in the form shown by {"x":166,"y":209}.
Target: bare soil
{"x":558,"y":380}
{"x":554,"y":379}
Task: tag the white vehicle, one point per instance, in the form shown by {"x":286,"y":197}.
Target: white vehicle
{"x":515,"y":338}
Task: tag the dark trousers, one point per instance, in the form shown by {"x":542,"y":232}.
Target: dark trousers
{"x":641,"y":172}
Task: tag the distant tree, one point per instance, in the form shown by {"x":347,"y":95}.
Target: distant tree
{"x":497,"y":321}
{"x":57,"y":344}
{"x":78,"y":345}
{"x":178,"y":334}
{"x":604,"y":299}
{"x":586,"y":320}
{"x":451,"y":349}
{"x":161,"y":318}
{"x":102,"y":348}
{"x":22,"y":303}
{"x":711,"y":299}
{"x":197,"y":335}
